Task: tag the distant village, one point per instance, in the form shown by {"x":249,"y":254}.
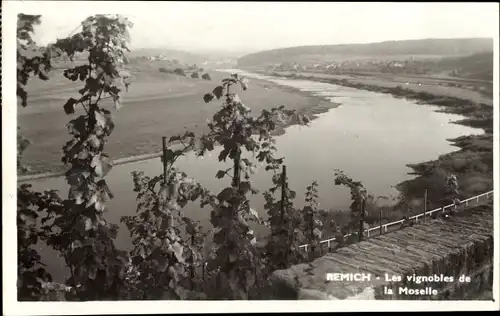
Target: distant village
{"x":410,"y":65}
{"x":206,"y":63}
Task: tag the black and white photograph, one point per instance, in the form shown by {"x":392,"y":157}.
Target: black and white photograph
{"x":251,"y":153}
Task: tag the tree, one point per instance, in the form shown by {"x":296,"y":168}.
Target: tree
{"x":30,"y":269}
{"x":232,"y":128}
{"x":206,"y":77}
{"x":31,"y":274}
{"x":312,"y":225}
{"x":358,"y":197}
{"x":195,"y":75}
{"x":79,"y":231}
{"x":162,"y":258}
{"x":285,"y":221}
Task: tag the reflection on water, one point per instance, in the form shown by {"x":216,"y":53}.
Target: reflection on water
{"x":371,"y":137}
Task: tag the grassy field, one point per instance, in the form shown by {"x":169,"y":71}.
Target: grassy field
{"x":156,"y":105}
{"x":457,"y":88}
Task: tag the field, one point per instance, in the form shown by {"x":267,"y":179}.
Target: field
{"x":156,"y":105}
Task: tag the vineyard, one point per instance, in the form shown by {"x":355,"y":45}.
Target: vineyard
{"x":169,"y":259}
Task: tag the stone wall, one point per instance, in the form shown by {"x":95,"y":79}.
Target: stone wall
{"x":459,"y":245}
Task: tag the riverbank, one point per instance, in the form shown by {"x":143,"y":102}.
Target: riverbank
{"x":472,"y":163}
{"x":156,"y":106}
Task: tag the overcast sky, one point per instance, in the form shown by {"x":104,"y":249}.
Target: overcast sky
{"x":244,"y":26}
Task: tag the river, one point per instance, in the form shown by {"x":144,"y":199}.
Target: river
{"x":370,"y":136}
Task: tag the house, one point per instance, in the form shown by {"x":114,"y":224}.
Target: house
{"x":396,"y":64}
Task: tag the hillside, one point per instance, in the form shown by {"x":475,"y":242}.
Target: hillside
{"x":429,"y":47}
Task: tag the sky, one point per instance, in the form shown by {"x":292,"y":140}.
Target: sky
{"x":254,"y":26}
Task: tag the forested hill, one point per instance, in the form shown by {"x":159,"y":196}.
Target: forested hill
{"x":434,"y":47}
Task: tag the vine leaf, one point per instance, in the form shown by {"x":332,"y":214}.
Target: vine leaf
{"x":245,"y":187}
{"x":254,"y":213}
{"x":225,"y":195}
{"x":94,"y":141}
{"x":69,"y":107}
{"x":208,"y":97}
{"x":244,"y":84}
{"x":218,"y":92}
{"x":100,"y":119}
{"x":220,"y":174}
{"x":102,"y":165}
{"x":177,"y":249}
{"x":117,"y":102}
{"x":91,"y":201}
{"x":77,"y":126}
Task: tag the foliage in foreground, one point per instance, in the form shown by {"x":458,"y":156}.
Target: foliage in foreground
{"x":30,"y":269}
{"x":167,"y":246}
{"x":31,"y":60}
{"x":285,"y":221}
{"x":76,"y":228}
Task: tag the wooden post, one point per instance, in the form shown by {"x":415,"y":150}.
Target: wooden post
{"x":203,"y":265}
{"x":425,"y":205}
{"x":283,"y":193}
{"x":192,"y":265}
{"x":380,"y":222}
{"x":236,"y":174}
{"x":164,"y":140}
{"x":362,"y":220}
{"x":282,"y":207}
{"x":311,"y":224}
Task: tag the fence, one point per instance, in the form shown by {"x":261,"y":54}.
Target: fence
{"x":383,"y":228}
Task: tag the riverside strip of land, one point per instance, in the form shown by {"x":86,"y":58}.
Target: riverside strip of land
{"x":156,"y":105}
